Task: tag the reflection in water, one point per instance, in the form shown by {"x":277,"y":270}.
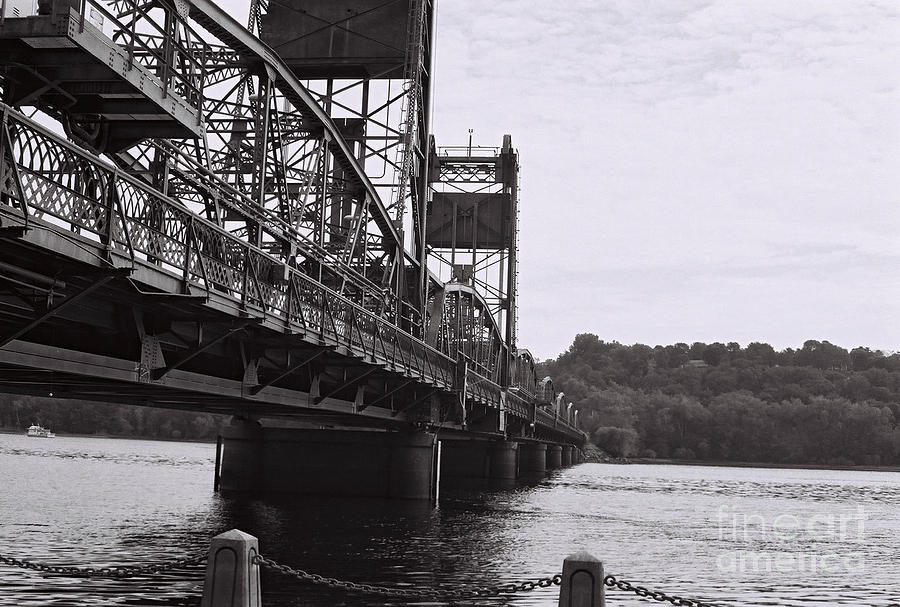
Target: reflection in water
{"x":686,"y":530}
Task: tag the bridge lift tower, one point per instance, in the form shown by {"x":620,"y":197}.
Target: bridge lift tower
{"x":472,"y":223}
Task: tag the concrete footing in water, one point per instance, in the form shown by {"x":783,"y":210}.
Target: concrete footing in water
{"x":532,"y":461}
{"x":373,"y":463}
{"x":566,"y":456}
{"x":353,"y":463}
{"x":478,"y":464}
{"x":554,"y":457}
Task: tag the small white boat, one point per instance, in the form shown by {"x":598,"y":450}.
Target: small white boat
{"x":39,"y":432}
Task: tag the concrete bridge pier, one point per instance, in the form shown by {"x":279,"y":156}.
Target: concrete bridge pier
{"x":532,"y":461}
{"x":554,"y":457}
{"x":478,"y":464}
{"x":504,"y":468}
{"x":241,"y":466}
{"x":464,"y":464}
{"x":566,"y":456}
{"x":332,"y":462}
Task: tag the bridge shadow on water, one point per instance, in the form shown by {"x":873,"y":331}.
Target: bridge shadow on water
{"x":402,"y":543}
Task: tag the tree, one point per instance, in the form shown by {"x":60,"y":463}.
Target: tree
{"x":618,"y":442}
{"x":819,"y":404}
{"x":861,"y":358}
{"x":697,"y":350}
{"x":761,"y":354}
{"x":715,"y":353}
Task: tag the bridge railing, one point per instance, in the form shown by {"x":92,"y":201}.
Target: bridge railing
{"x":76,"y":193}
{"x":545,"y":418}
{"x":519,"y":404}
{"x":482,"y":389}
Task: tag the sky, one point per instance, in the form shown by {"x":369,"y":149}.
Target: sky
{"x":691,"y":170}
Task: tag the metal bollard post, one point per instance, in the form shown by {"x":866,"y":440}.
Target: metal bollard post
{"x":232,"y":577}
{"x":582,"y":582}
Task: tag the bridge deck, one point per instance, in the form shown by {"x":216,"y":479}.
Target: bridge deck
{"x":99,"y":303}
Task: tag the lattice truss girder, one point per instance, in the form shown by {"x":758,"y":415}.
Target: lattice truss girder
{"x":324,"y":175}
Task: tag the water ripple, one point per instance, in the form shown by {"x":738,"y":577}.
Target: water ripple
{"x":691,"y":531}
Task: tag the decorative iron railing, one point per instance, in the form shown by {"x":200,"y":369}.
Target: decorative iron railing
{"x":50,"y":179}
{"x":481,"y":389}
{"x":550,"y":420}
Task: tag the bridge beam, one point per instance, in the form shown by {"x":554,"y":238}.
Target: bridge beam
{"x":200,"y":348}
{"x":67,"y":302}
{"x":291,"y":368}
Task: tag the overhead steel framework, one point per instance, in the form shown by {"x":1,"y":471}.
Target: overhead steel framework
{"x":472,"y":225}
{"x":273,"y":190}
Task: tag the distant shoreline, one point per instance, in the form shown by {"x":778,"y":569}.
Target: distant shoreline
{"x":632,"y":460}
{"x":728,"y":464}
{"x":154,"y":438}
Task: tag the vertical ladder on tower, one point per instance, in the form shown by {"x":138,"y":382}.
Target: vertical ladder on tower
{"x":412,"y":74}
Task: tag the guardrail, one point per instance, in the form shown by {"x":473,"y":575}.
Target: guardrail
{"x":552,"y":420}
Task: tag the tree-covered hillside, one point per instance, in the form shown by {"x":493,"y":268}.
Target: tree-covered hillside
{"x":820,"y":404}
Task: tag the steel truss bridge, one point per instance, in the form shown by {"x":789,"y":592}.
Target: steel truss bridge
{"x":254,"y":219}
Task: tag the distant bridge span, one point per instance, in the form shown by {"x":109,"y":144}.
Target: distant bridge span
{"x":184,"y":223}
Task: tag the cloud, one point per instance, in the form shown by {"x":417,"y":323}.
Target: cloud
{"x":739,"y":155}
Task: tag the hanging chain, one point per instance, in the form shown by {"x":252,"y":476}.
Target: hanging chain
{"x":313,"y":578}
{"x":476,"y":592}
{"x":104,"y":572}
{"x":656,"y":595}
{"x":451,"y":593}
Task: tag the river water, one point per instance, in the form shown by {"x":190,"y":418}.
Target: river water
{"x":739,"y":536}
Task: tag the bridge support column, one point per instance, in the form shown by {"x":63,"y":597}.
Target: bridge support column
{"x":412,"y":466}
{"x":478,"y":464}
{"x":242,"y":457}
{"x":554,"y":457}
{"x":351,"y":463}
{"x":504,"y":464}
{"x":465,"y":464}
{"x":566,"y":456}
{"x":532,"y":461}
